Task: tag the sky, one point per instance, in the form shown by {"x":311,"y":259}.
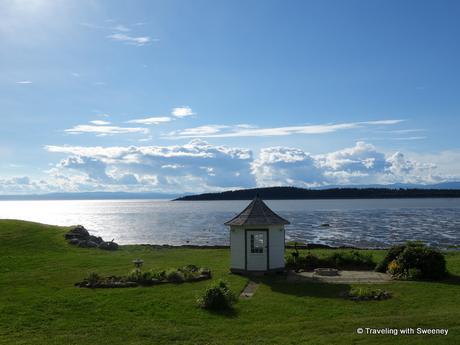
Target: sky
{"x":194,"y":96}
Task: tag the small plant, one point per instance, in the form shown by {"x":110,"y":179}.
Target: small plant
{"x":204,"y":271}
{"x":295,"y":253}
{"x":135,"y":275}
{"x":190,"y":268}
{"x":159,"y":275}
{"x":368,"y":294}
{"x":394,"y":268}
{"x":217,"y":297}
{"x":174,"y":276}
{"x":93,"y":278}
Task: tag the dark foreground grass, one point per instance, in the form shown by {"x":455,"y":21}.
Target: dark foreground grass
{"x":40,"y":305}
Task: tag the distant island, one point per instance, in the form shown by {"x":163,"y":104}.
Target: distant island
{"x":294,"y":193}
{"x":91,"y":196}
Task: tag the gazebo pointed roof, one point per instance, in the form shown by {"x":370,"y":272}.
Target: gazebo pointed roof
{"x":257,"y":213}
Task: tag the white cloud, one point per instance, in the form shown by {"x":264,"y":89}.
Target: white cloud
{"x":202,"y":130}
{"x":249,"y":131}
{"x":182,"y":111}
{"x":360,"y":164}
{"x":199,"y":167}
{"x":100,"y":122}
{"x":196,"y":166}
{"x":151,"y":120}
{"x":105,"y":130}
{"x":279,"y":166}
{"x":24,"y":82}
{"x":406,"y":131}
{"x":138,"y":41}
{"x":361,"y":157}
{"x":121,"y":28}
{"x":383,"y":122}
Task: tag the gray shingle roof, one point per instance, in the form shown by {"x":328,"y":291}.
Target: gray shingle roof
{"x":257,"y":213}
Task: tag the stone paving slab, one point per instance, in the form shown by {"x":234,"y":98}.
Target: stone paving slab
{"x":343,"y":277}
{"x":249,"y":290}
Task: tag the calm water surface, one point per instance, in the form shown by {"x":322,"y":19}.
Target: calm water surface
{"x":361,"y":223}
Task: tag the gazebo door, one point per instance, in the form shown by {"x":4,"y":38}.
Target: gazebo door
{"x":257,"y":250}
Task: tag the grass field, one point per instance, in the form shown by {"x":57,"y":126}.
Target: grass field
{"x":40,"y":305}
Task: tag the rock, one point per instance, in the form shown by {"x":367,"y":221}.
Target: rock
{"x":91,"y":244}
{"x":70,"y":236}
{"x":79,"y":236}
{"x":79,"y":232}
{"x":74,"y":241}
{"x":108,"y":245}
{"x":82,"y":244}
{"x":95,"y":239}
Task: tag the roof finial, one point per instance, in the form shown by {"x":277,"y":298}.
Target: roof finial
{"x":257,"y":195}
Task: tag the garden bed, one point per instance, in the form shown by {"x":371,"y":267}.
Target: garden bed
{"x":189,"y":273}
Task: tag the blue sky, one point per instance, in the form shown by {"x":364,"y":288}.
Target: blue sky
{"x":208,"y":95}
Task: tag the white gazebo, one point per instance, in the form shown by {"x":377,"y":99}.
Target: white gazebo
{"x":257,"y":239}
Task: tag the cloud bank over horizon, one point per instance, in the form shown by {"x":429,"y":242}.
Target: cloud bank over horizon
{"x":202,"y":167}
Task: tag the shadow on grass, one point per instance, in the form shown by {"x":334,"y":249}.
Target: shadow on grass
{"x":304,"y":288}
{"x":227,"y":313}
{"x":451,"y":279}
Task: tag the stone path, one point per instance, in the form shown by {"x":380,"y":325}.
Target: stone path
{"x":344,"y":277}
{"x":249,"y":290}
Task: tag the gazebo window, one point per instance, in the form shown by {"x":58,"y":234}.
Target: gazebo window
{"x":257,"y":243}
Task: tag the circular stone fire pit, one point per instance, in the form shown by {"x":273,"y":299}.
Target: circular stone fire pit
{"x":326,"y":271}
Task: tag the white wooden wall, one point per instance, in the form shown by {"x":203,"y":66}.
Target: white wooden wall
{"x":237,"y":247}
{"x":276,"y":246}
{"x":276,"y":250}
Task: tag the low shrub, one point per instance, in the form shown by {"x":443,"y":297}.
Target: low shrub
{"x":217,"y":297}
{"x":414,"y":260}
{"x":352,"y":259}
{"x":340,"y":260}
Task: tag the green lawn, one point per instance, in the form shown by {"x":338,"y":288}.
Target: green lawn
{"x":40,"y":305}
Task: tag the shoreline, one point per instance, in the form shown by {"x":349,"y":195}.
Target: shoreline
{"x":300,"y":246}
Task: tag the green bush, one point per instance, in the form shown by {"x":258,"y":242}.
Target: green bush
{"x":217,"y":297}
{"x":393,"y":254}
{"x":414,"y":260}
